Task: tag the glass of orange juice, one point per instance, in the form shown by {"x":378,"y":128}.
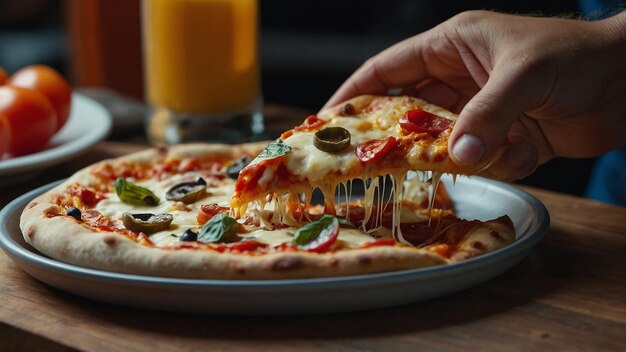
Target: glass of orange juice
{"x":202,"y":70}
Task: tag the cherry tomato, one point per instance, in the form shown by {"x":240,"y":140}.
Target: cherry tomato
{"x":5,"y":134}
{"x":4,"y":76}
{"x":375,"y":149}
{"x":421,"y":121}
{"x":207,"y":211}
{"x":319,"y":235}
{"x":31,"y":117}
{"x":51,"y":84}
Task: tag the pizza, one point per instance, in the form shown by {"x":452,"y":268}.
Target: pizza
{"x":179,"y":211}
{"x":367,"y":137}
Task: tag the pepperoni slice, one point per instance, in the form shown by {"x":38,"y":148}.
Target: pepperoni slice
{"x":421,"y":121}
{"x":375,"y":149}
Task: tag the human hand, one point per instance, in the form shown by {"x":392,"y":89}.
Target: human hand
{"x":545,"y":87}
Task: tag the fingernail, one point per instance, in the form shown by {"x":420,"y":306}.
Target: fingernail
{"x":468,"y":149}
{"x":522,"y":156}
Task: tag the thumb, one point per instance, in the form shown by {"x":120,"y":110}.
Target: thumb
{"x":485,"y":120}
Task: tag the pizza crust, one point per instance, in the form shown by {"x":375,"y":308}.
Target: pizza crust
{"x":64,"y":239}
{"x":485,"y":237}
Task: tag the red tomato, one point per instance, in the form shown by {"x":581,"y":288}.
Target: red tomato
{"x":326,"y":238}
{"x":380,"y":242}
{"x":207,"y":211}
{"x":421,"y":121}
{"x":31,"y":117}
{"x":4,"y":76}
{"x":51,"y":84}
{"x":243,"y":246}
{"x":5,"y":134}
{"x":375,"y":149}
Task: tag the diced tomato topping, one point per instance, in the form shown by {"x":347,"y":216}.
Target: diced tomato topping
{"x":286,"y":134}
{"x":311,"y":123}
{"x":96,"y":220}
{"x":207,"y":211}
{"x":286,"y":247}
{"x":88,"y":196}
{"x":379,"y":242}
{"x":421,"y":121}
{"x":243,"y":246}
{"x":375,"y":149}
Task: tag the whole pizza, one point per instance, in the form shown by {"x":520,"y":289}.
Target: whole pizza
{"x":352,"y":190}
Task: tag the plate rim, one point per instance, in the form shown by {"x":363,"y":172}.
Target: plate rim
{"x":60,"y":153}
{"x":534,"y":234}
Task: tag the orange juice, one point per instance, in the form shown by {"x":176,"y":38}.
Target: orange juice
{"x":201,"y":56}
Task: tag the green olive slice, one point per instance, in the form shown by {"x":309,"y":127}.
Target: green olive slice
{"x":146,"y":222}
{"x":332,"y":139}
{"x":187,"y":192}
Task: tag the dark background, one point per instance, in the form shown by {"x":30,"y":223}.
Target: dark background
{"x":308,"y":48}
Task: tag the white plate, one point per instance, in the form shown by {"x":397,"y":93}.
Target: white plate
{"x":88,"y":124}
{"x":475,"y":198}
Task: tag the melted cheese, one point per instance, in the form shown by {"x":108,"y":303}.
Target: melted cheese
{"x":348,"y":238}
{"x":316,"y":165}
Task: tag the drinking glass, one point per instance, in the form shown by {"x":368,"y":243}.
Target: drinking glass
{"x":202,"y":70}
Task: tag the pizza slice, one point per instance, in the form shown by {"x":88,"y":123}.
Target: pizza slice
{"x":365,"y":138}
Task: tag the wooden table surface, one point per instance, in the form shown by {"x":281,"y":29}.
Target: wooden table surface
{"x":568,"y":294}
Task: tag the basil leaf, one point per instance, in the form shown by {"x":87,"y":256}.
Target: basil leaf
{"x":311,"y":231}
{"x":221,"y":228}
{"x":131,"y":193}
{"x":275,"y":149}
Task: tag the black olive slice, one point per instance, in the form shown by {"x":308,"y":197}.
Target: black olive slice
{"x":74,"y":212}
{"x":146,"y":222}
{"x":233,"y":170}
{"x":189,"y":236}
{"x":332,"y":139}
{"x":187,"y":192}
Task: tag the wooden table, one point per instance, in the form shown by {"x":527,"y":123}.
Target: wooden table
{"x":568,"y":294}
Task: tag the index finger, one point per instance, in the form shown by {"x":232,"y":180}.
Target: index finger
{"x":398,"y":66}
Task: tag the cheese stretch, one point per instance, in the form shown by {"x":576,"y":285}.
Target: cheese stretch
{"x":219,"y":192}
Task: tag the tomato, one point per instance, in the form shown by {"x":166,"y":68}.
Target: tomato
{"x":375,"y":149}
{"x":243,"y":246}
{"x":51,"y":84}
{"x":207,"y":211}
{"x":421,"y":121}
{"x":4,"y":76}
{"x":5,"y":134}
{"x":31,"y":117}
{"x":317,"y":236}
